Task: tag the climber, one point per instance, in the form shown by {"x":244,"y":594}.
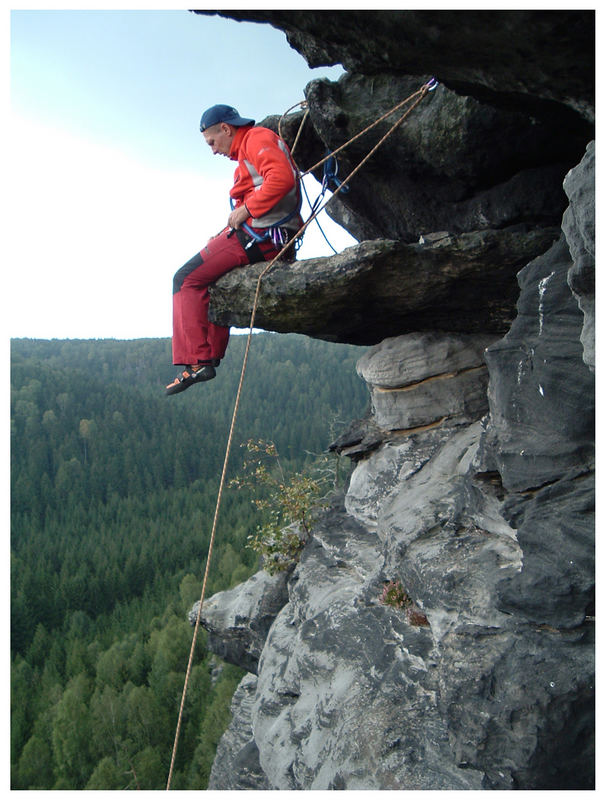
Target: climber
{"x":265,"y":215}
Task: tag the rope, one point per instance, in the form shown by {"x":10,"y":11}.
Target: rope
{"x":300,"y":127}
{"x":303,"y":104}
{"x":420,"y":94}
{"x":427,"y":87}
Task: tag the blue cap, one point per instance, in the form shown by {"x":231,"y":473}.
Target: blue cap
{"x":222,"y":113}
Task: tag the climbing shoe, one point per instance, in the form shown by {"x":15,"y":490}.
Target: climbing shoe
{"x":191,"y":375}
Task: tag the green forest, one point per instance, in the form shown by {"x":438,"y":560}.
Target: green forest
{"x":113,"y":491}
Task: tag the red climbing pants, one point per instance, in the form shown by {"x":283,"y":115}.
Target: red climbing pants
{"x":194,"y":337}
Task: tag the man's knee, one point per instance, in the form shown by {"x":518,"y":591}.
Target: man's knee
{"x":185,"y":271}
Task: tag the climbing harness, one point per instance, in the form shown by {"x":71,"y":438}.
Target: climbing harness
{"x":278,"y":233}
{"x":416,"y":97}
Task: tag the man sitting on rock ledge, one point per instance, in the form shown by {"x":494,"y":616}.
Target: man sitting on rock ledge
{"x":265,"y":200}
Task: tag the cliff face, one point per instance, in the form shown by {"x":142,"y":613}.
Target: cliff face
{"x":474,"y":474}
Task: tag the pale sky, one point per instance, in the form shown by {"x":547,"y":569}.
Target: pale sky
{"x":112,"y":187}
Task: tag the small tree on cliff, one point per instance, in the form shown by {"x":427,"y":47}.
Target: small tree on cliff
{"x":287,"y":501}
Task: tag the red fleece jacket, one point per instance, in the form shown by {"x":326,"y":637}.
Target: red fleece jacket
{"x":266,"y":178}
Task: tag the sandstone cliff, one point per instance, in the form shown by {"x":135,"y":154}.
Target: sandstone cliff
{"x":473,"y":282}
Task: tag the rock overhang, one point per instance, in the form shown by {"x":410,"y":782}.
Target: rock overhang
{"x":382,"y":288}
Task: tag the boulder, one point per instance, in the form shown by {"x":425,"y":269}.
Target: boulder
{"x":420,"y":379}
{"x":238,"y":620}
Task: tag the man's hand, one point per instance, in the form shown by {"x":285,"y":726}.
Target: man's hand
{"x":237,"y":217}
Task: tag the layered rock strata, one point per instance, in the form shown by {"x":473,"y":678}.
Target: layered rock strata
{"x":497,"y":690}
{"x":495,"y":684}
{"x":473,"y":485}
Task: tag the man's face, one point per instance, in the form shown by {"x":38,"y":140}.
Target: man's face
{"x":219,"y":138}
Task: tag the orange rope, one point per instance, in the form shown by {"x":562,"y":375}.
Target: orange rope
{"x":421,"y":92}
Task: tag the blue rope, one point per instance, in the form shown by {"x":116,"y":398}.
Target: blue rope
{"x":314,"y":206}
{"x":331,"y":175}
